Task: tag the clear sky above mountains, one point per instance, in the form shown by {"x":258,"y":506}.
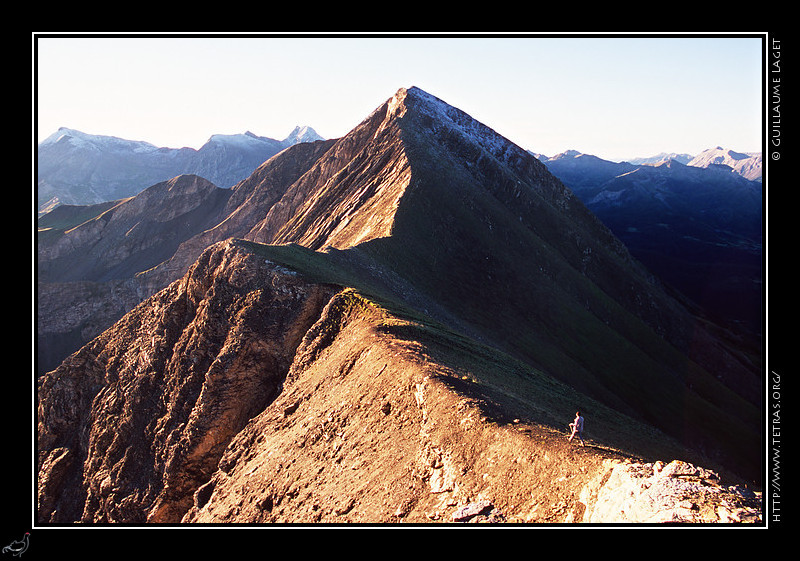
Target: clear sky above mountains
{"x":616,"y":98}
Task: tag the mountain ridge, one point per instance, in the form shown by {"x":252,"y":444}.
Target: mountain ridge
{"x":379,"y":419}
{"x":748,"y":165}
{"x":432,"y":216}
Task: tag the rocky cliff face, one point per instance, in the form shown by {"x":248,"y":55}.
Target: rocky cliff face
{"x":134,"y":422}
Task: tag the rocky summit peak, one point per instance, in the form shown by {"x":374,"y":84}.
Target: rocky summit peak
{"x":568,"y":154}
{"x":442,"y":119}
{"x":302,"y":134}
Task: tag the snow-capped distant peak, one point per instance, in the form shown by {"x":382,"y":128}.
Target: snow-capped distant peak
{"x":747,"y":165}
{"x":302,"y":134}
{"x":660,"y":158}
{"x":244,"y":139}
{"x":84,"y":140}
{"x":567,"y":154}
{"x":719,"y":155}
{"x":62,"y":132}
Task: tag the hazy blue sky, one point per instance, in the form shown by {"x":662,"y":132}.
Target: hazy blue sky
{"x":612,"y":97}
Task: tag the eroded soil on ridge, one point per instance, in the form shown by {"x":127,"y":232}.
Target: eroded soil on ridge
{"x":368,"y":429}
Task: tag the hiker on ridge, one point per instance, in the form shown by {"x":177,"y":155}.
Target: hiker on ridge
{"x":577,"y":427}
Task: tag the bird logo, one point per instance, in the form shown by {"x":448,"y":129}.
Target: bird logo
{"x":18,"y":547}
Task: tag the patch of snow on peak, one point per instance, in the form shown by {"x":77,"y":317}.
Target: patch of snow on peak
{"x":302,"y":134}
{"x":449,"y":116}
{"x":246,"y":139}
{"x":567,"y":154}
{"x":85,"y":141}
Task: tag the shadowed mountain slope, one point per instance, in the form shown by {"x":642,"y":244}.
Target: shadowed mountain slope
{"x":700,"y":230}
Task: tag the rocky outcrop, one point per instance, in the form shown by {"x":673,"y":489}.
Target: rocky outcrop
{"x":677,"y":492}
{"x":133,"y":423}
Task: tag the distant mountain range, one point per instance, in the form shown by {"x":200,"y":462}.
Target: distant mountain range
{"x":706,"y":241}
{"x":77,"y":168}
{"x":748,"y":165}
{"x":698,"y":226}
{"x":662,"y":157}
